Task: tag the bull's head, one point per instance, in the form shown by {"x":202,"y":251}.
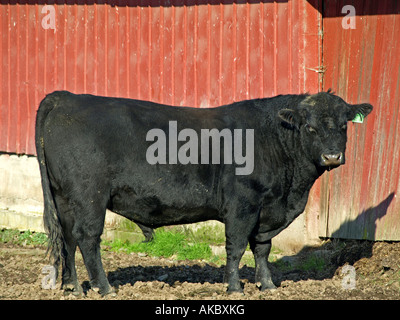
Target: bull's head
{"x":321,"y":120}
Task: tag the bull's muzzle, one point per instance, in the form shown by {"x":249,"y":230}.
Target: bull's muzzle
{"x":332,"y":160}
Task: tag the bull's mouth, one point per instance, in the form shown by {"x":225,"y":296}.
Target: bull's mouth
{"x":332,"y":160}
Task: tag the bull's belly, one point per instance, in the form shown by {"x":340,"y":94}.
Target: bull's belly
{"x":164,"y":216}
{"x":156,"y":209}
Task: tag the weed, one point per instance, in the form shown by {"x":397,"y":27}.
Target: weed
{"x":206,"y":233}
{"x":313,"y":263}
{"x":23,"y":237}
{"x":248,"y":260}
{"x":165,"y":244}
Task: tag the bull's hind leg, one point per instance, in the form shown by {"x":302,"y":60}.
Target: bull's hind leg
{"x":69,"y":277}
{"x":238,"y":229}
{"x":89,"y":223}
{"x":261,"y":249}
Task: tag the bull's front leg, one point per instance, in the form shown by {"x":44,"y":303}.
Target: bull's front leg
{"x":261,"y":249}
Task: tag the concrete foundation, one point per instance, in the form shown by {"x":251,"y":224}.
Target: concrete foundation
{"x":21,"y":207}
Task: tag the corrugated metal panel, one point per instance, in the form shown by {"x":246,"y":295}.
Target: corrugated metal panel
{"x":361,"y":199}
{"x":182,"y":52}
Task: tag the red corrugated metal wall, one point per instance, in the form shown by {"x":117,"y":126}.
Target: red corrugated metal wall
{"x":207,"y":53}
{"x":180,"y":52}
{"x":361,"y":199}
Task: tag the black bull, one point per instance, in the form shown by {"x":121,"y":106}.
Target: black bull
{"x":92,"y":156}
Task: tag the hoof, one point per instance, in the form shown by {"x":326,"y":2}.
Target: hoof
{"x":70,"y":289}
{"x":110,"y":292}
{"x":266,"y":286}
{"x":236,"y":289}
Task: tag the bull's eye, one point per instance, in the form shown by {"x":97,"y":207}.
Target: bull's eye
{"x":310,"y":129}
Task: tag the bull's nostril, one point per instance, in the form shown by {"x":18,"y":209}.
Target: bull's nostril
{"x":332,"y":159}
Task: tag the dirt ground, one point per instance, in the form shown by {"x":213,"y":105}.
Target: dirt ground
{"x":376,"y":275}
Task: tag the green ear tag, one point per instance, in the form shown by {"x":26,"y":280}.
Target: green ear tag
{"x":359,"y":118}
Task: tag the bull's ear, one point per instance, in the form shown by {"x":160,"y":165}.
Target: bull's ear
{"x":364,"y":109}
{"x":290,"y":116}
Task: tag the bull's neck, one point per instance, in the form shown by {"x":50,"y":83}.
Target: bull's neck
{"x":302,"y":167}
{"x":303,"y":176}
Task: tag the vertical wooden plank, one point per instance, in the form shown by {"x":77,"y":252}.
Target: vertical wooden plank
{"x":30,"y":102}
{"x":112,"y":50}
{"x":100,"y":48}
{"x":24,"y":121}
{"x":90,"y":61}
{"x":202,"y":75}
{"x":191,"y":39}
{"x":394,"y":172}
{"x":168,"y":44}
{"x":145,"y":53}
{"x":312,"y":20}
{"x":294,"y":31}
{"x":214,"y":53}
{"x":269,"y":49}
{"x":282,"y":58}
{"x":13,"y":78}
{"x":17,"y":59}
{"x":156,"y":45}
{"x":69,"y":48}
{"x":255,"y":40}
{"x":179,"y":53}
{"x":306,"y":30}
{"x":134,"y":50}
{"x":3,"y":78}
{"x":123,"y":49}
{"x":59,"y":42}
{"x":387,"y":222}
{"x":51,"y":52}
{"x":241,"y":51}
{"x":3,"y":82}
{"x":227,"y":53}
{"x":363,"y":193}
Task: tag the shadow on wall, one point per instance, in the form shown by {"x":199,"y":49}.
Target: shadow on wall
{"x":365,"y":223}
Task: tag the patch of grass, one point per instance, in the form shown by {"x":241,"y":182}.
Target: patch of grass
{"x":313,"y":263}
{"x":212,"y":234}
{"x":168,"y":242}
{"x":248,"y":260}
{"x":165,"y":244}
{"x":23,"y":237}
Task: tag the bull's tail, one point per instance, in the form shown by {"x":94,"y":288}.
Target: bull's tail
{"x":50,"y":218}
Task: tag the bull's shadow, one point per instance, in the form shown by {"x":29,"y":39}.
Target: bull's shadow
{"x":334,"y":254}
{"x":322,"y":262}
{"x":173,"y":275}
